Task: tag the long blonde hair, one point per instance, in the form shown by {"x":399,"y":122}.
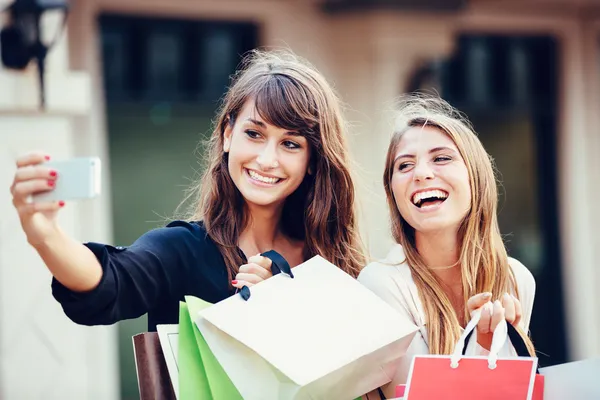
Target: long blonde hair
{"x":288,"y":93}
{"x":483,"y":257}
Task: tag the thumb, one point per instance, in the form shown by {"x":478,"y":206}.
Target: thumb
{"x":262,"y":261}
{"x":478,"y":300}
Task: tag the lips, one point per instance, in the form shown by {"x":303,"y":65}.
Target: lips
{"x":271,"y":180}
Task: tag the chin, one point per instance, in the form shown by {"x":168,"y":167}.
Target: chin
{"x":434,"y":226}
{"x":261,"y":201}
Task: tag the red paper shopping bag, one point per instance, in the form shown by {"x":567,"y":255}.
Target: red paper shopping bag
{"x":457,"y":376}
{"x":433,"y":378}
{"x":538,"y":388}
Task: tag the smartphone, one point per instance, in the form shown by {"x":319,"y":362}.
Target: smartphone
{"x":78,"y":179}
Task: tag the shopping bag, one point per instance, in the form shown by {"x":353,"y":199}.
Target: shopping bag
{"x":473,"y":377}
{"x":192,"y":378}
{"x":200,"y":374}
{"x":572,"y":380}
{"x":151,"y":369}
{"x":316,"y":334}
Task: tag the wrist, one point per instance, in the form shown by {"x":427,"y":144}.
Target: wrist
{"x":48,"y":240}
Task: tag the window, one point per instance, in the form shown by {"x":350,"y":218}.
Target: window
{"x":171,"y":60}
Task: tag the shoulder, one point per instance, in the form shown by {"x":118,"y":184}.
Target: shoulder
{"x":391,"y":271}
{"x":175,"y":232}
{"x":391,"y":279}
{"x":523,"y":276}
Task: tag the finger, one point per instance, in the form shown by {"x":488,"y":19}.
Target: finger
{"x":34,"y":172}
{"x":518,"y":311}
{"x":252,"y":278}
{"x":486,"y":317}
{"x":262,"y":261}
{"x":509,"y":308}
{"x":255,"y":269}
{"x":31,"y":208}
{"x":497,"y":316}
{"x":478,"y":300}
{"x":22,"y":190}
{"x":240,"y":284}
{"x":32,"y":158}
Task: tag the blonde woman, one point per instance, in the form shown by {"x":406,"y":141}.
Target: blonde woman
{"x":449,"y":258}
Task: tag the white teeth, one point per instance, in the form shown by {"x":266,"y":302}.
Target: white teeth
{"x":265,"y":179}
{"x":427,"y":194}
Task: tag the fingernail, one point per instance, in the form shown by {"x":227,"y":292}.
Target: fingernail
{"x":47,"y":158}
{"x":50,"y":182}
{"x":234,"y":282}
{"x":53,"y":174}
{"x":487,"y":295}
{"x":507,"y":296}
{"x":61,"y":203}
{"x":497,"y":302}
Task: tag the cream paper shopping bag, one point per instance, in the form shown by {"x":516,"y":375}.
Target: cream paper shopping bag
{"x":319,"y":335}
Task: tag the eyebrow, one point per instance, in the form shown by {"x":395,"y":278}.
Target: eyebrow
{"x":264,"y":126}
{"x":434,"y":150}
{"x":256,"y":122}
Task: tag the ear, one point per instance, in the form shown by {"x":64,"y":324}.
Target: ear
{"x":227,"y":133}
{"x":309,"y":170}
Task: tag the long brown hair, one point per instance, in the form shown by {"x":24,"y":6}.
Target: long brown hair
{"x":291,"y":94}
{"x":483,"y":257}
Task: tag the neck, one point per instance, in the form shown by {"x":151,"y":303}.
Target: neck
{"x":440,"y":251}
{"x":262,"y":230}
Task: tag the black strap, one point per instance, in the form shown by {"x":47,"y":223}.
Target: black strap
{"x":379,"y":392}
{"x":245,"y":292}
{"x":464,"y":350}
{"x":279,"y":265}
{"x":515,"y":339}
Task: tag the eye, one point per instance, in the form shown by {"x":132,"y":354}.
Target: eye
{"x":288,"y":144}
{"x":442,"y":159}
{"x":252,"y":134}
{"x":404,"y":166}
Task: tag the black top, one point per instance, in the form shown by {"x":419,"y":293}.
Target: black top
{"x":150,"y":276}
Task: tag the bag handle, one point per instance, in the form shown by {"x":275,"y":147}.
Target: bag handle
{"x":503,"y":332}
{"x":278,"y":265}
{"x":519,"y":345}
{"x":498,"y":339}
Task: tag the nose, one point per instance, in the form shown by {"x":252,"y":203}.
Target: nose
{"x":268,"y":157}
{"x":422,"y":171}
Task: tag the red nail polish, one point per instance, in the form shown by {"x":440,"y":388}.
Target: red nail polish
{"x":50,"y":182}
{"x":53,"y":174}
{"x":234,"y":282}
{"x":47,"y":158}
{"x":61,"y":203}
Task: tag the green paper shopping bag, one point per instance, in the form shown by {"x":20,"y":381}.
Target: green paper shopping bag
{"x":192,"y":378}
{"x":201,"y":377}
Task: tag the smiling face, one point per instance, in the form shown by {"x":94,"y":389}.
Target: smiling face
{"x":266,"y":163}
{"x":430,"y":181}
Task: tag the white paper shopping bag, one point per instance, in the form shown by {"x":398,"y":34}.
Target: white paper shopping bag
{"x":320,"y":335}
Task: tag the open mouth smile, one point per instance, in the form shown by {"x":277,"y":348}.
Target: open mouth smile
{"x":429,"y":198}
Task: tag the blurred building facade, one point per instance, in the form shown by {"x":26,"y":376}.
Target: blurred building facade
{"x":136,"y":83}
